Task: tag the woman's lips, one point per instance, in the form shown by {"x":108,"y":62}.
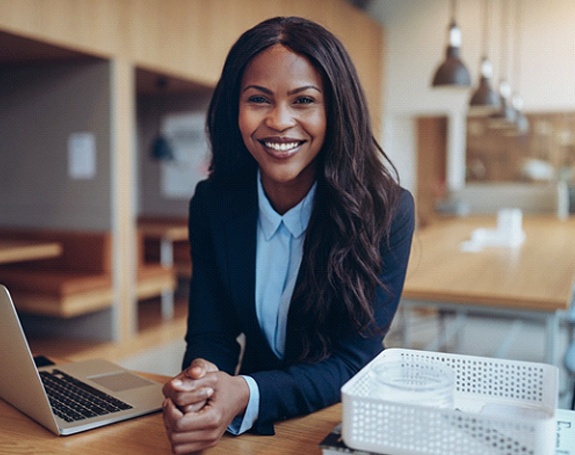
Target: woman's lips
{"x":281,"y":149}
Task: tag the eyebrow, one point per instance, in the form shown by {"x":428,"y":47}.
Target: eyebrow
{"x":291,"y":92}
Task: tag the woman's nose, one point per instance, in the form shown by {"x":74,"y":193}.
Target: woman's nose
{"x":280,"y":118}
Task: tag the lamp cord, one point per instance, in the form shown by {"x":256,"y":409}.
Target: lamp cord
{"x":517,"y":45}
{"x":504,"y":41}
{"x":485,"y":27}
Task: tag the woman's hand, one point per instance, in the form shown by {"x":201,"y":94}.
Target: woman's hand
{"x":185,"y":391}
{"x":190,"y":429}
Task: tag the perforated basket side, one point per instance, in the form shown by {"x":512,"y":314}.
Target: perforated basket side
{"x":411,"y":430}
{"x":396,"y":428}
{"x":489,"y":380}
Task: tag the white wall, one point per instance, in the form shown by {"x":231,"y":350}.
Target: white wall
{"x":42,"y":105}
{"x":415,"y":37}
{"x":151,"y":198}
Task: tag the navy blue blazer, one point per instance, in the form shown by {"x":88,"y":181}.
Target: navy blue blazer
{"x":222,"y":230}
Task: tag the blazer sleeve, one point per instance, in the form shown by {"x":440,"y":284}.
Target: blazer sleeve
{"x":304,"y":388}
{"x":212,"y":323}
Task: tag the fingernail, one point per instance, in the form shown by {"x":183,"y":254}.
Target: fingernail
{"x":209,"y":392}
{"x":177,"y":382}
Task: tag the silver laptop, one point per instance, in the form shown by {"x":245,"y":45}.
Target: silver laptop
{"x":114,"y":393}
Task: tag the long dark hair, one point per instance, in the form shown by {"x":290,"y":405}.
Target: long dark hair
{"x":356,"y":194}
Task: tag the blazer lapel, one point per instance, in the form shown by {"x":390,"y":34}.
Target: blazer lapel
{"x":240,"y":236}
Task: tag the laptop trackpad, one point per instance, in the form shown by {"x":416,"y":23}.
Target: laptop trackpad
{"x":120,"y":381}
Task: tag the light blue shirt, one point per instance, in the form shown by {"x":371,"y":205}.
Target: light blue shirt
{"x":278,"y":257}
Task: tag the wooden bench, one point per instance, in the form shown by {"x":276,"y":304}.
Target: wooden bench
{"x":155,"y":279}
{"x":166,"y":242}
{"x":79,"y":281}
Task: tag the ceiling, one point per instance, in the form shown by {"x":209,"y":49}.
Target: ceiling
{"x":15,"y":49}
{"x":18,"y":50}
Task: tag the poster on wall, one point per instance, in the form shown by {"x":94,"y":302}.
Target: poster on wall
{"x":186,"y":136}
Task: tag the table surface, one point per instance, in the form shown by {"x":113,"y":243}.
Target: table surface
{"x":24,"y":250}
{"x":146,"y":435}
{"x":537,"y":275}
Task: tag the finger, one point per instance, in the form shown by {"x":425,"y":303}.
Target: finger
{"x":196,"y":398}
{"x":171,"y":415}
{"x":199,"y":367}
{"x":168,"y":389}
{"x":186,"y":385}
{"x":194,"y":407}
{"x":210,"y":367}
{"x":182,"y":434}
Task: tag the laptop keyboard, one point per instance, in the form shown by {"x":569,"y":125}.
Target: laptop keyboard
{"x":73,"y":400}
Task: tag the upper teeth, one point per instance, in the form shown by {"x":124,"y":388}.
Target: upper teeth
{"x":281,"y":146}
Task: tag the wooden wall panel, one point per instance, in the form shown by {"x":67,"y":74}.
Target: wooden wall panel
{"x":187,"y":38}
{"x":431,"y":166}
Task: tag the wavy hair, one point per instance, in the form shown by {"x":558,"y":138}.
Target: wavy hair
{"x":357,"y":189}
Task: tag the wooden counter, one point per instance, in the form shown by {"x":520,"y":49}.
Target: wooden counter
{"x":532,"y":280}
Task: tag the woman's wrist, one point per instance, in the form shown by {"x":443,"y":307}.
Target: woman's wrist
{"x":241,"y":390}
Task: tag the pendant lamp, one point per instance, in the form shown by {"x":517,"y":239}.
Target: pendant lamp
{"x":484,"y":100}
{"x":521,"y":121}
{"x":161,"y":149}
{"x":452,"y":72}
{"x":505,"y":116}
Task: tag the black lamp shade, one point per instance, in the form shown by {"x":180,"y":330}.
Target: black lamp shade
{"x":484,"y":99}
{"x":452,"y":71}
{"x":161,"y":149}
{"x":485,"y":96}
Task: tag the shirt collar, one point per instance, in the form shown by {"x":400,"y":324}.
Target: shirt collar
{"x":295,"y":220}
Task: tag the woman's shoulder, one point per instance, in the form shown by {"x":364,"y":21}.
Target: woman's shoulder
{"x":225,"y":198}
{"x":406,"y":203}
{"x":404,"y":214}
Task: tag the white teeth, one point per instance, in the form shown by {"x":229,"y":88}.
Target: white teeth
{"x":281,"y":146}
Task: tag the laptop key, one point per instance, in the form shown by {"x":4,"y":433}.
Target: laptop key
{"x":72,"y":399}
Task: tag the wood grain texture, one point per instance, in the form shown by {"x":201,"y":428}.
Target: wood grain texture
{"x":186,"y":38}
{"x":146,"y":436}
{"x":537,"y":275}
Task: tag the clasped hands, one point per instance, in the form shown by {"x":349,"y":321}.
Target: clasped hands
{"x":200,"y":403}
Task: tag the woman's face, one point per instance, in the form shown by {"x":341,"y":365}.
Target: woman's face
{"x":282,"y":119}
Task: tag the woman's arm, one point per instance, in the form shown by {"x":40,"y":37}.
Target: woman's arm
{"x":304,"y":388}
{"x":212,"y":324}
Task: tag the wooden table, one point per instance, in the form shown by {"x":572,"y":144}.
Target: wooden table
{"x":146,"y":435}
{"x":25,"y":250}
{"x":533,"y":280}
{"x":166,"y":231}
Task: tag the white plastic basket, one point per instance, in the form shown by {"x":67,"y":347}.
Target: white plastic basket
{"x":522,"y":397}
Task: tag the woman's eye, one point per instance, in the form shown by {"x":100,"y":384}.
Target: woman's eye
{"x":256,"y":99}
{"x":304,"y":100}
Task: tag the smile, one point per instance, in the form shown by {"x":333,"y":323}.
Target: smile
{"x":281,"y":146}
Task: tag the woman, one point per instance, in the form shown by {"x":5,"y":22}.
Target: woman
{"x":300,"y":240}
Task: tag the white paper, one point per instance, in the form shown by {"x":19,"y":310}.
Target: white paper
{"x":186,"y":135}
{"x":82,"y":156}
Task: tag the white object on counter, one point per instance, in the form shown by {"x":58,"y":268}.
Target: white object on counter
{"x":509,"y":232}
{"x":562,"y":200}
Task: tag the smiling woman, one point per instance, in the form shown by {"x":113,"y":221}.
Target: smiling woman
{"x":300,"y":239}
{"x":282,"y":119}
